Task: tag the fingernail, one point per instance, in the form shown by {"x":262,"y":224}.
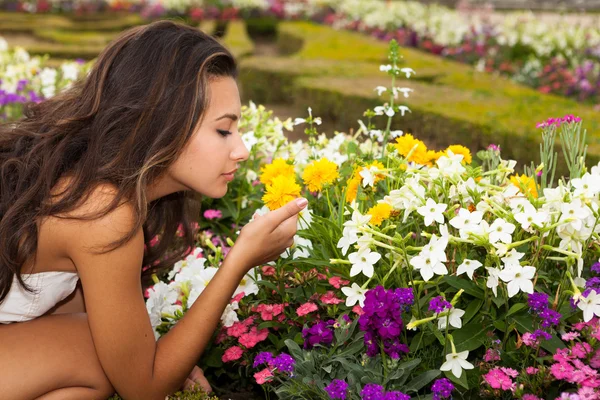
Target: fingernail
{"x":302,"y":202}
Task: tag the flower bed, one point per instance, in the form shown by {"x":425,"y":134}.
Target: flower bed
{"x":415,"y":271}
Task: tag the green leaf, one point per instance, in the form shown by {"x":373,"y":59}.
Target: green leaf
{"x":422,"y":380}
{"x":469,"y":337}
{"x":516,"y":308}
{"x":468,"y":286}
{"x":295,"y":350}
{"x":213,"y":358}
{"x":471,"y":310}
{"x":462,"y":381}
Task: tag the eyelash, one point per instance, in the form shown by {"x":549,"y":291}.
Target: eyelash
{"x":223,"y":132}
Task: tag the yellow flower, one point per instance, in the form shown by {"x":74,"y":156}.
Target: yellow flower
{"x":281,"y":191}
{"x":320,"y":173}
{"x":353,"y":184}
{"x":379,"y":212}
{"x":526,"y":182}
{"x":458,"y":149}
{"x":421,"y":155}
{"x":278,"y":167}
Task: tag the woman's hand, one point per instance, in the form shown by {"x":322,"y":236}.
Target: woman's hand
{"x":264,"y":239}
{"x":197,"y":378}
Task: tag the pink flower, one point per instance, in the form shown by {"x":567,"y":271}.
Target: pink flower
{"x":561,"y":370}
{"x":529,"y":339}
{"x":238,"y":297}
{"x":268,"y":311}
{"x":330,"y":298}
{"x":498,"y":379}
{"x":358,"y":310}
{"x":212,"y":214}
{"x":595,"y":360}
{"x":252,"y":338}
{"x":263,"y":376}
{"x":232,"y":354}
{"x":587,"y":393}
{"x":306,"y":308}
{"x":562,"y":355}
{"x":237,"y":329}
{"x":531,"y":370}
{"x":581,"y":350}
{"x":510,"y":372}
{"x":337,"y":282}
{"x":154,"y":241}
{"x":268,"y":270}
{"x":530,"y":397}
{"x":570,"y":336}
{"x":491,"y":355}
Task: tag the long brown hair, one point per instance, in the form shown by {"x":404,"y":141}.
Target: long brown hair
{"x":122,"y":125}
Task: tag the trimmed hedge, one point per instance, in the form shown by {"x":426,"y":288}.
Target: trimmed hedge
{"x":335,"y":73}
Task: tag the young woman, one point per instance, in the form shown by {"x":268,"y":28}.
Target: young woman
{"x":87,"y":178}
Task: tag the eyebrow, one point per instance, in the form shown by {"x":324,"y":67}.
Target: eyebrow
{"x":232,"y":117}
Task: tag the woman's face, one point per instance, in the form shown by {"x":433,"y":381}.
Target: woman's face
{"x":210,"y":158}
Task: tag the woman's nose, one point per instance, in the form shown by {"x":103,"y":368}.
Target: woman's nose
{"x":240,"y":152}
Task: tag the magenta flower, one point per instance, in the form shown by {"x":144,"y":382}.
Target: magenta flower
{"x":213,"y":214}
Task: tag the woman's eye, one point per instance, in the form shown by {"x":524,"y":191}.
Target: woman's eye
{"x":223,"y":132}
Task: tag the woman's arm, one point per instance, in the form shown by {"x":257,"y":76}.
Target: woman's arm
{"x":137,"y":366}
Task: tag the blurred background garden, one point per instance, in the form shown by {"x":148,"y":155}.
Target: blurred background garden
{"x":484,"y":70}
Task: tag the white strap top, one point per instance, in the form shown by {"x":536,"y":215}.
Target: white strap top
{"x":49,"y":287}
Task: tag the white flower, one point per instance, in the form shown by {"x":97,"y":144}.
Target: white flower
{"x":304,"y":219}
{"x":518,"y":279}
{"x":368,"y":175}
{"x":576,"y":212}
{"x":385,"y":68}
{"x":492,"y":281}
{"x":161,"y":299}
{"x":362,"y":261}
{"x":402,"y":110}
{"x":512,"y":258}
{"x":455,"y":315}
{"x":354,"y":294}
{"x":456,"y":362}
{"x":349,"y":237}
{"x":468,"y":266}
{"x":500,"y":230}
{"x":396,"y":134}
{"x":380,"y":110}
{"x":432,"y":211}
{"x":428,"y":264}
{"x":590,"y":305}
{"x":587,"y":186}
{"x":408,"y":71}
{"x":248,"y":283}
{"x":380,"y":89}
{"x":466,"y":221}
{"x":530,"y":215}
{"x":229,"y":315}
{"x":405,"y":91}
{"x":299,"y":121}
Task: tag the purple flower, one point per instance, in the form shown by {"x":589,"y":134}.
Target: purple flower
{"x":320,"y":333}
{"x":442,"y":388}
{"x":337,"y":389}
{"x":212,"y":214}
{"x":396,"y":396}
{"x":439,"y":304}
{"x":550,"y":317}
{"x":284,"y":362}
{"x":372,"y":391}
{"x":538,"y":302}
{"x":382,"y":320}
{"x":263,"y":358}
{"x":596,"y":267}
{"x":540,"y":334}
{"x":593,"y":283}
{"x":494,"y":147}
{"x":406,"y":296}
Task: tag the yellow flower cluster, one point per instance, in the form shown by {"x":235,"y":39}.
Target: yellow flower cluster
{"x":279,"y":167}
{"x":379,"y":212}
{"x":416,"y":151}
{"x":355,"y":181}
{"x":281,"y":191}
{"x":320,"y":173}
{"x":525,"y":182}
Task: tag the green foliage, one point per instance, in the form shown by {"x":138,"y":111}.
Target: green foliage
{"x":191,"y":394}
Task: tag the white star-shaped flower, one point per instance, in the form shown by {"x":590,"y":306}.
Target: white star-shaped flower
{"x":455,"y":315}
{"x":354,"y":294}
{"x":363,"y":261}
{"x":492,"y":281}
{"x":518,"y":278}
{"x":501,"y":231}
{"x":590,"y":305}
{"x":468,"y":266}
{"x":456,"y":362}
{"x":432,"y":211}
{"x":408,"y":72}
